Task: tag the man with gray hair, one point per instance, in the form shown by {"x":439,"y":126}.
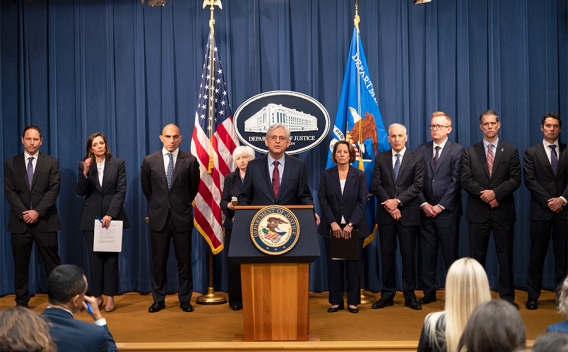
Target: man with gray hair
{"x":397,"y":182}
{"x":276,"y":178}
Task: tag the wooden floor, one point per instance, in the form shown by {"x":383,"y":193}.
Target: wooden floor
{"x":218,"y":328}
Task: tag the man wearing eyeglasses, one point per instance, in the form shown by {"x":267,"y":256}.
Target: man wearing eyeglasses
{"x":490,"y":174}
{"x":440,"y":201}
{"x":546,"y":177}
{"x":276,"y":178}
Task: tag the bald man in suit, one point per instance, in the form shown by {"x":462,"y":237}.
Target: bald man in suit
{"x":490,"y":174}
{"x":31,"y":187}
{"x":170,"y":180}
{"x":546,"y":177}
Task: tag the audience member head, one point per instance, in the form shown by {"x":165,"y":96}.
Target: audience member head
{"x":563,"y":299}
{"x":22,"y":330}
{"x":551,"y":342}
{"x":493,"y":326}
{"x":466,"y":286}
{"x":66,"y":287}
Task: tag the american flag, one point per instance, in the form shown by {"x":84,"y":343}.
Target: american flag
{"x":213,"y":142}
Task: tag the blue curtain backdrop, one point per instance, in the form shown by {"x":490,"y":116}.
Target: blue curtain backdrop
{"x":73,"y":67}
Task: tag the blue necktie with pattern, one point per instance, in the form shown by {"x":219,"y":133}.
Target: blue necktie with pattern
{"x":170,"y":173}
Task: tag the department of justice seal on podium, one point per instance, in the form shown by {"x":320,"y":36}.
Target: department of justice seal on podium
{"x":274,"y":230}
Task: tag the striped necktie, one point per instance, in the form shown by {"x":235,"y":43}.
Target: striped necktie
{"x":490,"y":159}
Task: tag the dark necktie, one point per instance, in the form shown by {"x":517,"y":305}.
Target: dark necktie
{"x":553,"y":158}
{"x":276,"y":179}
{"x":170,"y":172}
{"x":30,"y":174}
{"x":436,"y":156}
{"x":490,"y":158}
{"x":396,"y":167}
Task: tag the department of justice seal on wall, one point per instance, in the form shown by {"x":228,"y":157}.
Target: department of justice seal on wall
{"x":305,"y":117}
{"x":274,"y":230}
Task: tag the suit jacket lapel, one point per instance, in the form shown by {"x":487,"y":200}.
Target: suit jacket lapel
{"x":430,"y":159}
{"x":562,"y":158}
{"x":388,"y":156}
{"x":109,"y":169}
{"x":403,"y":164}
{"x":541,"y":153}
{"x":265,"y":174}
{"x":160,"y":163}
{"x":480,"y":149}
{"x":288,"y":170}
{"x":94,"y":175}
{"x":498,"y":153}
{"x":39,"y":165}
{"x":21,"y":164}
{"x":443,"y":154}
{"x":349,"y":182}
{"x":178,"y":166}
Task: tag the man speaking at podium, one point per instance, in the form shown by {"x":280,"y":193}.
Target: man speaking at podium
{"x":276,"y":178}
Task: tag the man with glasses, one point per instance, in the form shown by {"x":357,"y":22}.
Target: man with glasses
{"x":490,"y":174}
{"x":546,"y":177}
{"x":440,"y":202}
{"x":276,"y":178}
{"x":170,"y":179}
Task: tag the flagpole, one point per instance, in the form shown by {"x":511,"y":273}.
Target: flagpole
{"x":211,"y":298}
{"x":364,"y":298}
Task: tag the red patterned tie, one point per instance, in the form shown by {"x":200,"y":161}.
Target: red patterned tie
{"x":490,"y":158}
{"x":276,"y":179}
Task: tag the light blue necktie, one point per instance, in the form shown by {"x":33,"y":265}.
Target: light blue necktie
{"x":170,"y":173}
{"x":396,"y":167}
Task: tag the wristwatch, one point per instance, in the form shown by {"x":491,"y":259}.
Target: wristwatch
{"x":350,"y":224}
{"x":399,"y":202}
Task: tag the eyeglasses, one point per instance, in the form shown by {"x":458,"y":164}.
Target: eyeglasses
{"x":437,"y":127}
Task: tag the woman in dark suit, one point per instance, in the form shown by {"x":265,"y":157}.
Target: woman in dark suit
{"x":102,"y":181}
{"x":342,"y":197}
{"x":231,"y":189}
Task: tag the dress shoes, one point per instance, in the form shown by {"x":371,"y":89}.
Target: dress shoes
{"x":110,"y":309}
{"x":353,"y":310}
{"x":186,"y":307}
{"x":156,"y":307}
{"x":428,"y":298}
{"x":237,"y":306}
{"x":381,"y":303}
{"x":531,"y":304}
{"x":22,"y":304}
{"x":335,"y":309}
{"x":412,"y":304}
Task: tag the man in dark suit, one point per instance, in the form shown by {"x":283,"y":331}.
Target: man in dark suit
{"x":66,"y":295}
{"x":276,"y":178}
{"x":31,"y":186}
{"x":440,"y":201}
{"x":490,"y":173}
{"x":397,"y":182}
{"x":546,"y":177}
{"x":170,"y":180}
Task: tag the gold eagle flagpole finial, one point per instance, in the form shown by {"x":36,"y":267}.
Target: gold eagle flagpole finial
{"x":211,"y":83}
{"x":356,"y":19}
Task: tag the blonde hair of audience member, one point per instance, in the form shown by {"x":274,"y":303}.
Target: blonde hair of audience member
{"x":494,"y":326}
{"x":22,"y":330}
{"x":466,"y":286}
{"x":563,"y":299}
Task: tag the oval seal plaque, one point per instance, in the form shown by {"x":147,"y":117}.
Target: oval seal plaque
{"x":306,"y":118}
{"x":274,"y":230}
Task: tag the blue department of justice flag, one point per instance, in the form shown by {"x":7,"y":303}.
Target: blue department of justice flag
{"x":359,"y":119}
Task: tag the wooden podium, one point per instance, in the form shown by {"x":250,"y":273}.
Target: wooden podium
{"x":275,"y":287}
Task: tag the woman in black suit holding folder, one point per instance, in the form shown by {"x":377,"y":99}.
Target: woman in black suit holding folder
{"x":102,"y":181}
{"x":342,"y":196}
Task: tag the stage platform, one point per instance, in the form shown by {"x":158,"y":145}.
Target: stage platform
{"x":217,"y":328}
